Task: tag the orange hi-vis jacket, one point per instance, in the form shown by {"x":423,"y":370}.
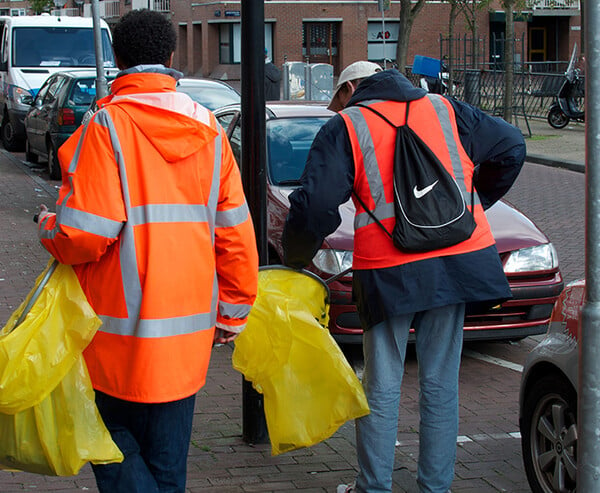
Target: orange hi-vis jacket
{"x":153,"y":218}
{"x":373,"y":144}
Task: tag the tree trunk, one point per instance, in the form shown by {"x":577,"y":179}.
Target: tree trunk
{"x":474,"y":42}
{"x":454,"y":11}
{"x":509,"y":66}
{"x":407,"y":18}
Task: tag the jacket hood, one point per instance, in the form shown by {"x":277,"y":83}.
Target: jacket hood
{"x":171,"y":121}
{"x":388,"y":85}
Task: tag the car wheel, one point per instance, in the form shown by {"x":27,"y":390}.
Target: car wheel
{"x":556,"y":117}
{"x":30,"y":156}
{"x":53,"y":164}
{"x":9,"y":136}
{"x":549,"y":436}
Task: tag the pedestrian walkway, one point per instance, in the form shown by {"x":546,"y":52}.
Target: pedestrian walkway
{"x":564,"y":148}
{"x":489,"y":456}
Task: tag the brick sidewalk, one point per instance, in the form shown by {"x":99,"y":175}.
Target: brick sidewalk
{"x":489,"y":457}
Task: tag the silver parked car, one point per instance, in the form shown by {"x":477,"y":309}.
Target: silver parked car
{"x":210,"y":93}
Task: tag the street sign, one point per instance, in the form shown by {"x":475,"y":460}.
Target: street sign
{"x":383,"y":5}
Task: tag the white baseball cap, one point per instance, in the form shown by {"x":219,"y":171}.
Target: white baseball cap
{"x":354,"y":71}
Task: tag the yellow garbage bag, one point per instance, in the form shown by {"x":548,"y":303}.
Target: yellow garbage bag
{"x":49,"y":423}
{"x":290,"y":357}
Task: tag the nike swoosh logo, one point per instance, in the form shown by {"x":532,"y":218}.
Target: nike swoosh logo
{"x":420,"y":193}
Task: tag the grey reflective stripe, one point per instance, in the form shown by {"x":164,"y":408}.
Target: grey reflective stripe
{"x":45,"y":234}
{"x":75,"y":158}
{"x":230,"y":310}
{"x":232,"y":217}
{"x":371,"y":166}
{"x":162,"y":327}
{"x":444,"y":117}
{"x":167,"y":213}
{"x":215,"y":294}
{"x":90,"y":223}
{"x":213,"y":197}
{"x":385,"y":211}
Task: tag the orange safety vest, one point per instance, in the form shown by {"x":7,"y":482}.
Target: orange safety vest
{"x":153,"y":215}
{"x":373,"y":145}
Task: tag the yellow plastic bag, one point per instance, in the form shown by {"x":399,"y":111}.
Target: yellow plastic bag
{"x":309,"y":388}
{"x":49,"y":423}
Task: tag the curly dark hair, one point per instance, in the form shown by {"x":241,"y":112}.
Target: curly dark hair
{"x":144,"y":37}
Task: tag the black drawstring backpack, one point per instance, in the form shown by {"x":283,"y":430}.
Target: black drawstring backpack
{"x":430,"y":210}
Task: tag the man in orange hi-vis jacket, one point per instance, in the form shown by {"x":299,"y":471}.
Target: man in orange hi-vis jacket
{"x":153,"y":218}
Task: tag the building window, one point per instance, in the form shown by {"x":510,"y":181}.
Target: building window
{"x":382,"y":40}
{"x":230,"y":42}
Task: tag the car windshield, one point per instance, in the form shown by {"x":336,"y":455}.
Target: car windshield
{"x":210,"y":96}
{"x":288,"y":143}
{"x":58,"y":47}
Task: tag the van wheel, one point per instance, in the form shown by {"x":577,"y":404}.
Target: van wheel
{"x":9,"y":136}
{"x":53,"y":164}
{"x":30,"y":156}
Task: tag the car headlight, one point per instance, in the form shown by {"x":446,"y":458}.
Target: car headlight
{"x":541,"y":257}
{"x":22,"y":96}
{"x":333,"y":261}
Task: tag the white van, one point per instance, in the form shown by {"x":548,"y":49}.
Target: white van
{"x":34,"y":47}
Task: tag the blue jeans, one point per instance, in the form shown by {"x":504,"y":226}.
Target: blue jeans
{"x":439,"y":336}
{"x":154,"y":439}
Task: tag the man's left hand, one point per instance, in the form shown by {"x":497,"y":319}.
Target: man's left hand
{"x":223,"y":337}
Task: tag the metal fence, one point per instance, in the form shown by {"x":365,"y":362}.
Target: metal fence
{"x":533,"y":91}
{"x":478,"y":75}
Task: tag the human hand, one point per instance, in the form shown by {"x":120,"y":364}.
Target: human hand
{"x":223,"y":337}
{"x":39,"y":217}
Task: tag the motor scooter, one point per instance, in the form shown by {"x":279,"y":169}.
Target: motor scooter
{"x":568,"y":103}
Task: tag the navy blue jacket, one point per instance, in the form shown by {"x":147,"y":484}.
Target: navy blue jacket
{"x":495,"y":147}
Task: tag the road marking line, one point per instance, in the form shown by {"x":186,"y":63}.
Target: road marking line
{"x":481,"y":437}
{"x":491,"y":359}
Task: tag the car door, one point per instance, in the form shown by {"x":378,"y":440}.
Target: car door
{"x":50,"y":105}
{"x":33,"y":122}
{"x":229,"y":121}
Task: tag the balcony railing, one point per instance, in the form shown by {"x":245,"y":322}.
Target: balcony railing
{"x":554,"y":4}
{"x":163,"y":6}
{"x":72,"y":12}
{"x":107,"y":9}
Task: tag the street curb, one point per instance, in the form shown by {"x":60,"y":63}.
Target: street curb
{"x":545,"y":160}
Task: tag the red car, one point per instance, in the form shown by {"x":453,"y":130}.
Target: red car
{"x":548,"y":399}
{"x":529,"y":259}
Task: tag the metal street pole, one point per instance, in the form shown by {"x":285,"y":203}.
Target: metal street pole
{"x":254,"y":428}
{"x":588,"y":454}
{"x":101,"y":84}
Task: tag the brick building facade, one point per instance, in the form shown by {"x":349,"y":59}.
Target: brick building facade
{"x":331,"y":31}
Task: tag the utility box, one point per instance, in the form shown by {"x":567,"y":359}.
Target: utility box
{"x":294,"y":80}
{"x":424,"y":65}
{"x":320,"y":76}
{"x":309,"y":82}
